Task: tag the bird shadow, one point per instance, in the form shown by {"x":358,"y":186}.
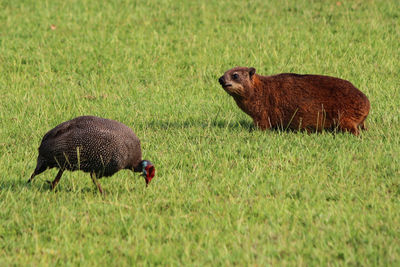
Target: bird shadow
{"x":17,"y":185}
{"x":43,"y":186}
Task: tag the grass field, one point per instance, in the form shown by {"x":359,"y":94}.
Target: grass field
{"x":224,"y":193}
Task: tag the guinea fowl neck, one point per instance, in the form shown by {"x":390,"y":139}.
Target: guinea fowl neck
{"x":138,"y":167}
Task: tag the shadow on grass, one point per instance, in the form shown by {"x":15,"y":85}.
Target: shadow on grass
{"x":41,"y":185}
{"x":242,"y":124}
{"x":13,"y":185}
{"x":19,"y":185}
{"x":245,"y":125}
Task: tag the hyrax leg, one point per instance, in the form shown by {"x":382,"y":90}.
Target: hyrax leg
{"x":347,"y":125}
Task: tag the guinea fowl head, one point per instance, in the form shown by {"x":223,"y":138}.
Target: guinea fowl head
{"x":148,"y":170}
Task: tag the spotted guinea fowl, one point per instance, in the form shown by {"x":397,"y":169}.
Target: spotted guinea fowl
{"x":99,"y":146}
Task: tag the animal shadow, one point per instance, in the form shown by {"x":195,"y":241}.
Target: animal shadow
{"x":222,"y":124}
{"x":12,"y":185}
{"x":43,"y":186}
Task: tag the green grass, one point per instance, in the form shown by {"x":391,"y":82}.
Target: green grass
{"x":223,"y":194}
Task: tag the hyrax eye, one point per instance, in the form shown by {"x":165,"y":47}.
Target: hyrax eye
{"x":235,"y":76}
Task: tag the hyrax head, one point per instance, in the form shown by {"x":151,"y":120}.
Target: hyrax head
{"x":236,"y":81}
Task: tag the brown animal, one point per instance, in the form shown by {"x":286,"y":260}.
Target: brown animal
{"x":297,"y":102}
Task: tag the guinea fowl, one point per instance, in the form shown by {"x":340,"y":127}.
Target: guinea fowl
{"x":96,"y":145}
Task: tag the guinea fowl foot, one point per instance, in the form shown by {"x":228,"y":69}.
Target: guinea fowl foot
{"x":97,"y":184}
{"x":50,"y":183}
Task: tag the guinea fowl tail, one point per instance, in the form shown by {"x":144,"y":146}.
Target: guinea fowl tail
{"x":41,"y":166}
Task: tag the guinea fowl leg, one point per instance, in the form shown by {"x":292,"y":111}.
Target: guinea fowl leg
{"x":56,"y":180}
{"x":32,"y":176}
{"x":93,"y":176}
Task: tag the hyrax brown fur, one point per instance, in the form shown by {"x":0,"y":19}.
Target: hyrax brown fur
{"x":297,"y":102}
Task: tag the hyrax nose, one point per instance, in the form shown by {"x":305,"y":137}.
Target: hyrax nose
{"x":221,"y":80}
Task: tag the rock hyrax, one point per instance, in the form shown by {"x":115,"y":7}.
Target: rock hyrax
{"x":297,"y":102}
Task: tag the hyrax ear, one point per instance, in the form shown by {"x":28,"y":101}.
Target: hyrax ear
{"x":251,"y":72}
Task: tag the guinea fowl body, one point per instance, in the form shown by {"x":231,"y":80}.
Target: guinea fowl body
{"x":91,"y":144}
